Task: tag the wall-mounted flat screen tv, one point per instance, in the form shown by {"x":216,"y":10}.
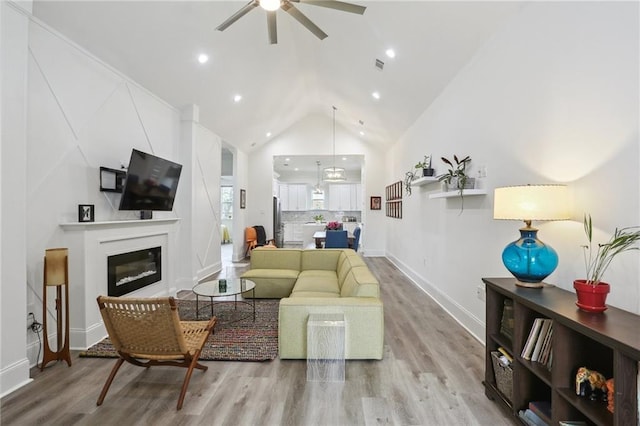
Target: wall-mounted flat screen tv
{"x":151,"y":183}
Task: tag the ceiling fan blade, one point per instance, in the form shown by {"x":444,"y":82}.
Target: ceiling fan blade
{"x":300,"y":17}
{"x":334,"y":4}
{"x":239,"y":14}
{"x":271,"y":27}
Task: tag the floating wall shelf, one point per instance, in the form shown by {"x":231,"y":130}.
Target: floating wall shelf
{"x":424,"y":180}
{"x":456,"y":193}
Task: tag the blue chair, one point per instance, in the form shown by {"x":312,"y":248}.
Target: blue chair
{"x":356,"y":238}
{"x":336,"y":239}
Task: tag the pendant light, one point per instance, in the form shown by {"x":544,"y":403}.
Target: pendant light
{"x":334,"y":174}
{"x":318,"y":189}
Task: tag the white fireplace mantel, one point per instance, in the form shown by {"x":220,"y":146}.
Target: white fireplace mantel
{"x":90,"y":243}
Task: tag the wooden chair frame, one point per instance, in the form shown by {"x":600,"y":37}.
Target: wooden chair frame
{"x":147,"y":332}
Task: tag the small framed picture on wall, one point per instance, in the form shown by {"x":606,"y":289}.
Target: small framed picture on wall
{"x":243,"y":199}
{"x":376,"y":203}
{"x":86,"y":213}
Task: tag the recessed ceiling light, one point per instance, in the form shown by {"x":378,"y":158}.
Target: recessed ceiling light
{"x":237,"y":98}
{"x":296,"y":169}
{"x":287,"y":159}
{"x":268,"y":134}
{"x":376,"y":95}
{"x":203,"y":58}
{"x":361,"y":133}
{"x":344,"y":158}
{"x":390,"y":53}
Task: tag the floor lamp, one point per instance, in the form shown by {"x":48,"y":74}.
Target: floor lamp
{"x":56,"y":274}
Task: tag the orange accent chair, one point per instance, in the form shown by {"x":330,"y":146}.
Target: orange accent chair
{"x":255,"y":236}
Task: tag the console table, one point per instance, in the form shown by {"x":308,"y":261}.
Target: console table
{"x":608,"y":342}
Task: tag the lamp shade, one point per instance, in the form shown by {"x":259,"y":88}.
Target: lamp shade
{"x":531,"y":202}
{"x":529,"y":259}
{"x":56,"y":266}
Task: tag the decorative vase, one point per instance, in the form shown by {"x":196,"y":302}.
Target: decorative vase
{"x":428,"y":172}
{"x":591,"y":298}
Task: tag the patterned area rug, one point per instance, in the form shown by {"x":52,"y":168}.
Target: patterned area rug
{"x":243,"y":340}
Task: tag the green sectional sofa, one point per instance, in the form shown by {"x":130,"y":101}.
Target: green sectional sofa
{"x":322,"y":281}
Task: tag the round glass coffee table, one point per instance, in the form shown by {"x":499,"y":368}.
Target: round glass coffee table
{"x":234,"y":287}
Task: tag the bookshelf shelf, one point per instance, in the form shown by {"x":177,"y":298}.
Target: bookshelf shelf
{"x":608,"y":343}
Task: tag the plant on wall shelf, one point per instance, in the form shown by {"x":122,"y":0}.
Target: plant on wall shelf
{"x":422,"y":168}
{"x":456,"y":175}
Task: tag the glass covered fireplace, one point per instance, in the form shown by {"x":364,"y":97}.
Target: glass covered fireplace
{"x":131,"y":271}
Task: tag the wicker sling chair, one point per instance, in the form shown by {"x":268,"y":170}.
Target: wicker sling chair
{"x":148,"y":332}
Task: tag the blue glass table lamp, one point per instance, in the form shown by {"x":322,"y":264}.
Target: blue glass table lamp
{"x":529,"y":259}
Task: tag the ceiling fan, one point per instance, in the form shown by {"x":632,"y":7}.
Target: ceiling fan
{"x":287,"y":5}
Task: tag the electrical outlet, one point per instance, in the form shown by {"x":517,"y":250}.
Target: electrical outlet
{"x":480,"y":292}
{"x":30,"y":320}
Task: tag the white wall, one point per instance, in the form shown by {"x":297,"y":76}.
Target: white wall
{"x":82,"y":114}
{"x":313,"y":136}
{"x":14,"y":365}
{"x":552,"y":97}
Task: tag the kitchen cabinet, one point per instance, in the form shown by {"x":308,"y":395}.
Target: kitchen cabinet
{"x":345,"y":197}
{"x":293,"y":232}
{"x":294,"y":197}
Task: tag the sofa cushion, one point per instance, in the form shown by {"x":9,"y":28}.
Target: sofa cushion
{"x":348,"y":262}
{"x":325,"y":259}
{"x":271,"y":283}
{"x":314,"y":294}
{"x":317,"y":281}
{"x":360,"y":282}
{"x":262,"y":258}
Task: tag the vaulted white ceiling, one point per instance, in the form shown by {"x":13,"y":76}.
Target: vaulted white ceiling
{"x":157,"y":44}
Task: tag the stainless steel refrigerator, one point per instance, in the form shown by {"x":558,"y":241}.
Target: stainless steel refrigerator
{"x":278,"y":226}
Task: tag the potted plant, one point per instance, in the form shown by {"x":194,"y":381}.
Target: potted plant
{"x":423,"y":168}
{"x":592,"y":292}
{"x":318,"y":218}
{"x":456,"y":176}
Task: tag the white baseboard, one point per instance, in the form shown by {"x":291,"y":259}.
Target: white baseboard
{"x":466,"y":319}
{"x":14,"y":376}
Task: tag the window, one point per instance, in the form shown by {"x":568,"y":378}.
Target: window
{"x":226,"y":202}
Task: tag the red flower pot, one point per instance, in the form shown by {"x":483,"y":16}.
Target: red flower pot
{"x":591,"y":298}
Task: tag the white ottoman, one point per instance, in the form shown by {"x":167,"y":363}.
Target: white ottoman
{"x":325,"y":348}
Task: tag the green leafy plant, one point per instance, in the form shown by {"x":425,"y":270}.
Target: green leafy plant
{"x":456,"y":171}
{"x":598,"y":257}
{"x":318,"y":218}
{"x":424,"y":164}
{"x":416,"y":173}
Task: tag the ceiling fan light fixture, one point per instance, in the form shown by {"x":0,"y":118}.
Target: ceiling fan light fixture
{"x":270,"y":5}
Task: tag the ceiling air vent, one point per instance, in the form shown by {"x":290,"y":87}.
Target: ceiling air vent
{"x":379,"y":64}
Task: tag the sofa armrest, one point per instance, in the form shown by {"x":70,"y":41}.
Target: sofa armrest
{"x":364,"y":325}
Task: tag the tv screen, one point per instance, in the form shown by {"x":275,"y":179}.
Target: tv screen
{"x":151,"y":183}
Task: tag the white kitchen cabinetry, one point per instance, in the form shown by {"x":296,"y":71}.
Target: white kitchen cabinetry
{"x":293,"y":232}
{"x":294,"y":197}
{"x":345,"y":197}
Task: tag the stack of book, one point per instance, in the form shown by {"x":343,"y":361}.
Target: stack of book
{"x":537,"y":348}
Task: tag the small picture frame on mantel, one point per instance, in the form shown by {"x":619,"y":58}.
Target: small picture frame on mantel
{"x":86,"y":213}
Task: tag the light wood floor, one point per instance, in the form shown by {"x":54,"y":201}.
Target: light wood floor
{"x":431,"y":375}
